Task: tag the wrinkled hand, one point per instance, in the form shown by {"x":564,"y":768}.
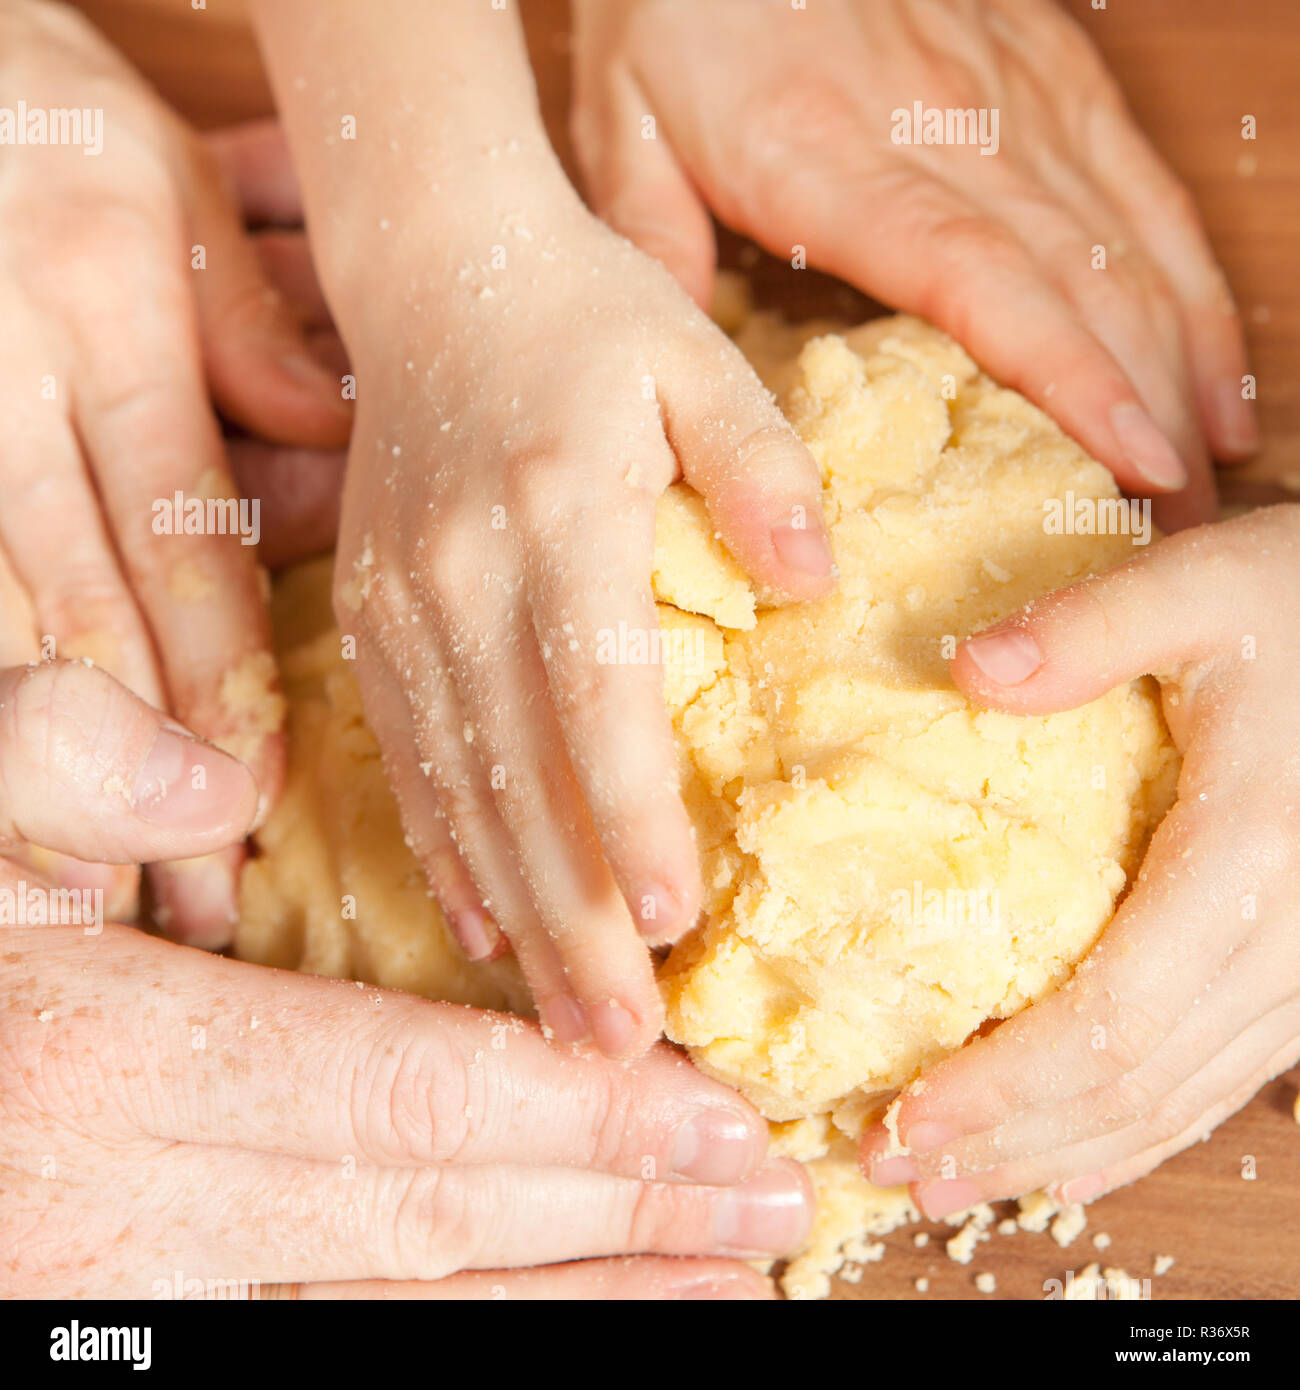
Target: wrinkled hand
{"x":149,"y":1091}
{"x":1190,"y":1001}
{"x":113,"y":339}
{"x":780,"y":121}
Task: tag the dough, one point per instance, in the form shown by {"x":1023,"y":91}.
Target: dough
{"x":887,"y":870}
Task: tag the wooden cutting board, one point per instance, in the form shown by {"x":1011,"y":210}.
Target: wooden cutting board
{"x":1192,"y":69}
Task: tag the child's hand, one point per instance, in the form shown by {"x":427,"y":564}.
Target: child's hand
{"x":113,"y":337}
{"x":515,"y":426}
{"x":1191,"y":999}
{"x":783,"y":121}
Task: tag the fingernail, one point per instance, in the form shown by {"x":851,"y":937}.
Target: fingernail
{"x":716,"y":1148}
{"x":657,"y":910}
{"x":565,"y":1019}
{"x":1141,"y":439}
{"x":168,"y":792}
{"x":474,"y":933}
{"x":941,"y":1199}
{"x":769,"y":1215}
{"x":1235,"y":417}
{"x":198,"y":900}
{"x":302,"y":367}
{"x":894,"y":1172}
{"x":803,"y":548}
{"x":715,"y":1289}
{"x":615,"y":1028}
{"x":1082,"y":1189}
{"x":1007,"y":657}
{"x":926,"y":1135}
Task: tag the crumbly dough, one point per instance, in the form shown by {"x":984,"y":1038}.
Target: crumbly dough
{"x":887,"y":869}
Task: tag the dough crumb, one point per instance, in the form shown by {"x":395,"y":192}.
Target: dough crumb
{"x":1163,"y":1264}
{"x":961,"y":1248}
{"x":1092,"y":1285}
{"x":1036,"y":1210}
{"x":1069,"y":1224}
{"x":985,"y":1283}
{"x":922,"y":1285}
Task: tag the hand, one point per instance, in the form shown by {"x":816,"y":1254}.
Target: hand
{"x":781,"y":121}
{"x":112,"y":343}
{"x":1190,"y":1001}
{"x":498,"y":515}
{"x":149,"y":1091}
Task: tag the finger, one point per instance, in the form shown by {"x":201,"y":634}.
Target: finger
{"x":1175,"y":604}
{"x":287,"y":264}
{"x":196,"y":900}
{"x":257,"y":160}
{"x":149,"y":435}
{"x":1181,"y":1101}
{"x":330,"y":1222}
{"x":82,"y":605}
{"x":609,"y":704}
{"x":118,"y":885}
{"x":429,"y":835}
{"x":299,"y":491}
{"x":1221,"y":1079}
{"x":930,"y":251}
{"x":635,"y":183}
{"x":328,"y":1073}
{"x":759,"y":482}
{"x":552,"y":839}
{"x":144,"y":419}
{"x":1165,"y":217}
{"x":258,"y":364}
{"x":89,"y":770}
{"x":651,"y":1278}
{"x":1125,"y":303}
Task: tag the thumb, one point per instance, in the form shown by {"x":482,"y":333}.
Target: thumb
{"x":89,"y":770}
{"x":635,"y":184}
{"x":1176,"y":605}
{"x":260,"y":369}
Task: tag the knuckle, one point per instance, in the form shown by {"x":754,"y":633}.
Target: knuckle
{"x":974,"y":253}
{"x":429,"y":1234}
{"x":665,"y":1217}
{"x":409,"y":1099}
{"x":1131,"y":1037}
{"x":614,"y":1128}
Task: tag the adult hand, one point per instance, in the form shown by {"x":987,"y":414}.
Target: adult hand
{"x":129,"y":291}
{"x":783,"y":121}
{"x":149,"y":1091}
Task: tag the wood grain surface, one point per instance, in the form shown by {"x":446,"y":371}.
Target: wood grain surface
{"x":1191,"y":69}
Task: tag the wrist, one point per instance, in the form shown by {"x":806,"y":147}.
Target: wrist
{"x":446,"y":241}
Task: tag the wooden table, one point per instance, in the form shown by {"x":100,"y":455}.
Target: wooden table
{"x":1192,"y":69}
